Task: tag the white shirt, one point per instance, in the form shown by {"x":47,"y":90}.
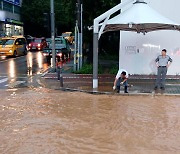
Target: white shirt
{"x":119,"y":73}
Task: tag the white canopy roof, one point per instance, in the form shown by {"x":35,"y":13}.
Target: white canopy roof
{"x":140,"y":18}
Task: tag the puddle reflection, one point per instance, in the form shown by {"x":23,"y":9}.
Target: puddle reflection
{"x":12,"y":69}
{"x":29,"y":63}
{"x":35,"y":61}
{"x":39,"y":58}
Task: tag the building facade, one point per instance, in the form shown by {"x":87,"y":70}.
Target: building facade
{"x":10,"y":19}
{"x":138,"y":52}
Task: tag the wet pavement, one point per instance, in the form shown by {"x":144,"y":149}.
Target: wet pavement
{"x":138,"y":84}
{"x":28,"y":71}
{"x":44,"y":121}
{"x":20,"y":71}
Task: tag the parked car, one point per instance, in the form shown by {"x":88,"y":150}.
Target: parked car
{"x":69,"y":37}
{"x":38,"y":44}
{"x":62,"y":49}
{"x":13,"y":46}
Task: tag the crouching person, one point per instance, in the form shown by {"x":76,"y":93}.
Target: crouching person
{"x":121,"y":80}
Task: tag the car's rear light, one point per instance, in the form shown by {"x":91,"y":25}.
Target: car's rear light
{"x":59,"y":54}
{"x":39,"y":45}
{"x":45,"y":54}
{"x":30,"y":44}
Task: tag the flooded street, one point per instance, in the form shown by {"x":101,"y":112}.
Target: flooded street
{"x":43,"y":121}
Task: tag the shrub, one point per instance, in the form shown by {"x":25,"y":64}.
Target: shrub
{"x":88,"y":69}
{"x":114,"y":69}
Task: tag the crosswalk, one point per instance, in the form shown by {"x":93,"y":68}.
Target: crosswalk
{"x":5,"y":82}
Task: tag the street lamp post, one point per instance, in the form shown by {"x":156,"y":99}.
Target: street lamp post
{"x":81,"y":35}
{"x":80,"y":29}
{"x":53,"y":35}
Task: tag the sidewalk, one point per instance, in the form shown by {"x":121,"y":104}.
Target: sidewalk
{"x":139,"y":84}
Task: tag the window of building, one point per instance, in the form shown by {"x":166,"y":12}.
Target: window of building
{"x":8,"y":7}
{"x":16,"y":9}
{"x":0,"y":4}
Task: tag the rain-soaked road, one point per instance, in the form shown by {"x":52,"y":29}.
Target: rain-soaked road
{"x":43,"y":121}
{"x":14,"y":71}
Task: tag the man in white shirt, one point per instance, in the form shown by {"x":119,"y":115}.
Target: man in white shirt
{"x":163,"y":62}
{"x":121,"y":79}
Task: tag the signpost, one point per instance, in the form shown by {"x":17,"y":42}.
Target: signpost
{"x":78,"y":55}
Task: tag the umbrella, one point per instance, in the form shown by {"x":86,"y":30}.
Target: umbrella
{"x":140,"y":18}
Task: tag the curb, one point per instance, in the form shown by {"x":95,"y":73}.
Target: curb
{"x":116,"y":94}
{"x":95,"y":92}
{"x":107,"y":76}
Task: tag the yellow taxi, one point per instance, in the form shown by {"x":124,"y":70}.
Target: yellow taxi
{"x":13,"y":46}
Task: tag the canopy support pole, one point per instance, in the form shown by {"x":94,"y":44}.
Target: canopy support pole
{"x":95,"y":60}
{"x":96,"y":37}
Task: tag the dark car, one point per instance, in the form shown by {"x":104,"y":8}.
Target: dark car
{"x":62,"y":49}
{"x":29,"y":39}
{"x":38,"y":44}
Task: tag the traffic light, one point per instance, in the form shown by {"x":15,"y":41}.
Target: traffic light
{"x":46,"y":19}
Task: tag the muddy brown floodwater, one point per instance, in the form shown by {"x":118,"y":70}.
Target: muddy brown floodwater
{"x":42,"y":121}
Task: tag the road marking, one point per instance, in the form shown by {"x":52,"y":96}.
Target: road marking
{"x":171,"y":84}
{"x":75,"y":77}
{"x":44,"y":73}
{"x":20,"y":77}
{"x":11,"y":59}
{"x":15,"y":83}
{"x":3,"y":76}
{"x":3,"y":80}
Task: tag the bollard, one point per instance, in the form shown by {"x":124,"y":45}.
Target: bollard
{"x":61,"y":77}
{"x":59,"y":72}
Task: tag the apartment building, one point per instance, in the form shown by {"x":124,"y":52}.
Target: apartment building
{"x":10,"y":18}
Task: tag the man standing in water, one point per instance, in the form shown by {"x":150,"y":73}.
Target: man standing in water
{"x":163,"y":61}
{"x":121,"y":79}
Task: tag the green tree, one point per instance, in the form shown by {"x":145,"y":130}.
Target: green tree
{"x":109,"y":42}
{"x":65,"y":13}
{"x":32,"y":16}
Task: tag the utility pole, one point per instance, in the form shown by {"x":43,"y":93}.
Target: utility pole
{"x":47,"y":22}
{"x":81,"y":60}
{"x":53,"y":35}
